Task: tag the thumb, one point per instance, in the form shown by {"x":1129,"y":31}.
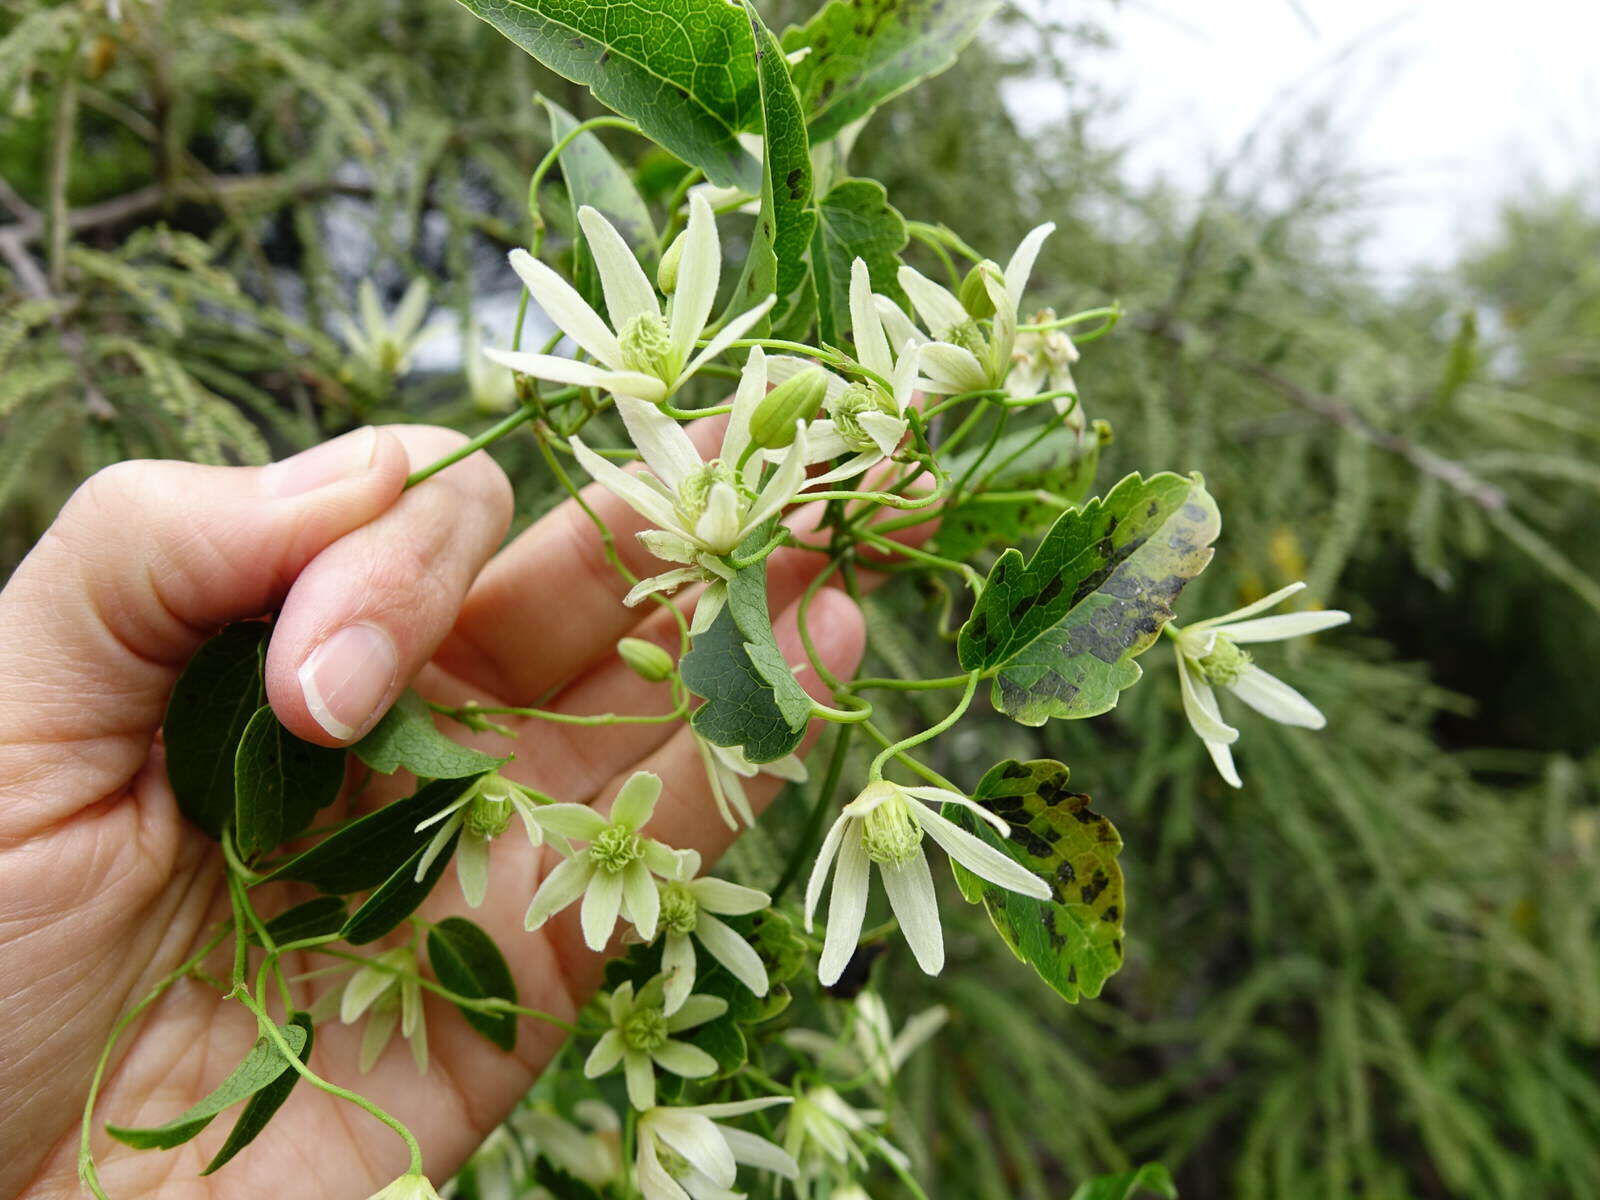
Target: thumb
{"x":145,"y":561}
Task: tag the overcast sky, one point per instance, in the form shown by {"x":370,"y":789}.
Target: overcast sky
{"x":1458,"y":103}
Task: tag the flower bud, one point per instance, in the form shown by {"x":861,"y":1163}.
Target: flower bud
{"x":798,"y":399}
{"x":975,"y":296}
{"x":646,"y":659}
{"x":667,"y":270}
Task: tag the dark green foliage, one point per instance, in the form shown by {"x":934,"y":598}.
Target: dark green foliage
{"x":214,"y":700}
{"x":406,"y":739}
{"x":264,"y":1105}
{"x":317,"y":917}
{"x":280,"y":782}
{"x":466,"y":960}
{"x":854,"y":220}
{"x":398,"y":896}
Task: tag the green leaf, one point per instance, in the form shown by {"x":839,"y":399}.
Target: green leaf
{"x":368,"y":851}
{"x":264,"y":1105}
{"x":279,"y":783}
{"x":854,"y":220}
{"x":752,"y":699}
{"x":317,"y":917}
{"x":678,"y":68}
{"x":775,"y":264}
{"x":408,"y":740}
{"x":864,"y":52}
{"x":595,"y":178}
{"x":467,"y":961}
{"x":260,"y":1067}
{"x":1074,"y":941}
{"x":1063,"y":628}
{"x":398,"y":896}
{"x":1152,"y":1177}
{"x":212,"y":702}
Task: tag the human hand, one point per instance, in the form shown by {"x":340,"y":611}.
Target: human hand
{"x":105,"y":887}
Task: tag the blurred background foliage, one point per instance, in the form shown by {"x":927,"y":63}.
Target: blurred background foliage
{"x":1373,"y":970}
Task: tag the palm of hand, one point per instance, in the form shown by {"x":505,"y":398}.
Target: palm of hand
{"x":107,"y":888}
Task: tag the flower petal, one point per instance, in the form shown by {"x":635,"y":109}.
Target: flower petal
{"x":847,"y":908}
{"x":436,"y":845}
{"x":952,"y":369}
{"x":559,"y":889}
{"x":365,"y":986}
{"x":569,"y":311}
{"x":1250,"y":610}
{"x":732,"y":330}
{"x":602,"y":903}
{"x":472,"y":868}
{"x":678,"y":965}
{"x":636,"y":799}
{"x":666,"y":448}
{"x":910,"y":889}
{"x":733,"y":952}
{"x":939,"y":310}
{"x":641,"y":1077}
{"x":569,"y":370}
{"x":896,"y":325}
{"x":741,"y":1108}
{"x":572,"y":820}
{"x":866,"y":327}
{"x":641,"y":899}
{"x":696,"y":1010}
{"x":785,"y":483}
{"x":884,"y":430}
{"x":1285,"y":625}
{"x":1200,"y":706}
{"x":1271,"y":697}
{"x":727,"y":899}
{"x":757,"y":1152}
{"x":977,"y":856}
{"x":607,"y":1053}
{"x":747,"y":396}
{"x":698,"y":271}
{"x":666,"y":582}
{"x":719,"y":529}
{"x":1021,"y":264}
{"x":1222,"y":756}
{"x":628,"y":291}
{"x":653,"y":1180}
{"x":699,"y":1143}
{"x":681,"y":1058}
{"x":630,"y":489}
{"x":819,"y":869}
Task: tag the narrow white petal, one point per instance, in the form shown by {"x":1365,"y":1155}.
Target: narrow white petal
{"x":952,"y":368}
{"x":1200,"y":706}
{"x":465,"y":799}
{"x":699,"y":1143}
{"x":933,"y":795}
{"x":642,"y":900}
{"x":696,"y":1010}
{"x":559,"y":889}
{"x":607,"y":1053}
{"x":681,"y":1058}
{"x":788,"y":767}
{"x":1021,"y":264}
{"x":734,"y":329}
{"x":915,"y":1032}
{"x":641,"y":1077}
{"x":910,"y":889}
{"x":755,"y":1151}
{"x":1250,"y":610}
{"x":667,"y":581}
{"x":741,"y":1108}
{"x":636,"y":800}
{"x":847,"y":908}
{"x":708,"y":608}
{"x":905,"y":377}
{"x":365,"y":986}
{"x":848,"y":469}
{"x":896,"y":324}
{"x":819,"y":869}
{"x":572,"y":820}
{"x":785,"y":483}
{"x":628,"y":488}
{"x":567,"y":309}
{"x":627,"y":289}
{"x":823,"y":441}
{"x":375,"y":1037}
{"x":698,"y":272}
{"x":666,"y":447}
{"x":1287,"y":625}
{"x":783,"y":367}
{"x":866,"y":327}
{"x":977,"y":856}
{"x":472,"y":869}
{"x":751,"y":391}
{"x":1271,"y":697}
{"x":719,"y":528}
{"x":602,"y":903}
{"x":570,"y":370}
{"x":1222,"y":756}
{"x":653,"y":1180}
{"x":678,"y":965}
{"x":884,"y":430}
{"x":733,"y":952}
{"x":727,"y":899}
{"x":436,"y":846}
{"x":939,"y":310}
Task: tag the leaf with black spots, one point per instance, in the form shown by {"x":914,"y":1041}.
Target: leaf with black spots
{"x":467,"y":961}
{"x":854,"y":220}
{"x":212,"y":702}
{"x":1060,"y":630}
{"x":1074,"y":940}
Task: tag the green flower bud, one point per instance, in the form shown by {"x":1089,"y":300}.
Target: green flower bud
{"x":975,"y":296}
{"x":797,"y":399}
{"x":667,"y":270}
{"x":646,"y":659}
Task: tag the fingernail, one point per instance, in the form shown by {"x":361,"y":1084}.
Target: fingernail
{"x":343,"y":458}
{"x":347,"y":677}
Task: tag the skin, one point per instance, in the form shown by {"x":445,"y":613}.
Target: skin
{"x":105,"y":887}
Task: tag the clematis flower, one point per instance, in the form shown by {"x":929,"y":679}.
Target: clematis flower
{"x":1209,"y":656}
{"x":874,"y":1048}
{"x":640,"y":1038}
{"x":884,"y":825}
{"x":613,"y":871}
{"x":387,"y":993}
{"x":864,"y":420}
{"x":644,"y":353}
{"x":688,"y":1154}
{"x":961,"y":355}
{"x":1042,"y":362}
{"x":822,"y":1130}
{"x":726,"y":770}
{"x":407,"y":1187}
{"x":384,"y":342}
{"x":702,"y":509}
{"x":692,"y":907}
{"x":482,"y":813}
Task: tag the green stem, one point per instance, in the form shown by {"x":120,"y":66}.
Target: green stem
{"x":898,"y":749}
{"x":910,"y":685}
{"x":549,"y":160}
{"x":488,"y":437}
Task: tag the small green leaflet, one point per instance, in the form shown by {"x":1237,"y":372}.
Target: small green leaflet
{"x":752,"y":698}
{"x":854,"y":220}
{"x":279,"y":783}
{"x":864,"y":52}
{"x":467,"y":961}
{"x":1074,"y":942}
{"x":212,"y":702}
{"x":264,"y":1105}
{"x":1063,"y":628}
{"x":775,"y":264}
{"x":594,"y":178}
{"x":1124,"y":1185}
{"x":260,"y":1067}
{"x":399,"y":895}
{"x":408,"y":740}
{"x":679,"y":68}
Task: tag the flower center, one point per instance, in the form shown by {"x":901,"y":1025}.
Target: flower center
{"x":889,"y":835}
{"x":679,"y":911}
{"x":968,"y":336}
{"x":847,"y":410}
{"x":490,"y":810}
{"x":647,"y":347}
{"x":1224,"y":664}
{"x":694,"y":493}
{"x":614,"y":848}
{"x":645,"y":1029}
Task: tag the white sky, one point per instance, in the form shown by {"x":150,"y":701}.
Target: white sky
{"x":1456,"y":103}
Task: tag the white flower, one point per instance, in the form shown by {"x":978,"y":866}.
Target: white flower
{"x":611,"y":873}
{"x":386,"y":991}
{"x":407,"y":1187}
{"x":702,"y":510}
{"x":482,"y":813}
{"x":640,"y":1038}
{"x":1042,"y":362}
{"x":586,"y":1151}
{"x":822,"y":1129}
{"x":492,"y":388}
{"x":864,"y":420}
{"x":385,"y":342}
{"x":884,"y":825}
{"x":1209,"y":655}
{"x":875,"y":1049}
{"x":688,"y":1154}
{"x":962,"y":357}
{"x":727,"y":768}
{"x":647,"y":355}
{"x":693,"y":907}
